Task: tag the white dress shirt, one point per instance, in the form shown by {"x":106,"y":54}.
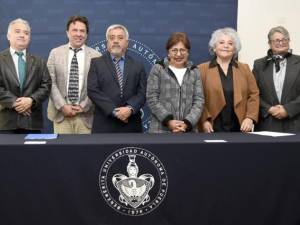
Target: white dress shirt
{"x":279,"y":77}
{"x":179,"y":73}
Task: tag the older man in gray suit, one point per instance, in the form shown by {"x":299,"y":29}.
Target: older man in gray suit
{"x":69,"y":107}
{"x":24,"y":83}
{"x":278,"y":79}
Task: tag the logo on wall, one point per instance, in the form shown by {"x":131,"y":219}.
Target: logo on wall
{"x":134,"y":46}
{"x":133,"y":181}
{"x":143,"y":53}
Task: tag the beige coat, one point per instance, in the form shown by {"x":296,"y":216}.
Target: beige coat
{"x":58,"y":69}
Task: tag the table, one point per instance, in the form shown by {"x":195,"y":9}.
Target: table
{"x":247,"y":180}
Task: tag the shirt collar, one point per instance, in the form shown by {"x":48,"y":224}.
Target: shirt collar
{"x":113,"y":57}
{"x":13,"y":51}
{"x":214,"y":63}
{"x":165,"y":63}
{"x":82,"y":47}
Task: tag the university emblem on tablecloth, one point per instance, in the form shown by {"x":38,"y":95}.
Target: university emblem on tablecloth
{"x":133,"y":181}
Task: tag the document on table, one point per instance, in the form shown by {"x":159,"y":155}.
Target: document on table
{"x":34,"y":142}
{"x":215,"y":141}
{"x":40,"y":136}
{"x":271,"y":134}
{"x":38,"y":139}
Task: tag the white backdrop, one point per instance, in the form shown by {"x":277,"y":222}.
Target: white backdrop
{"x":257,"y":17}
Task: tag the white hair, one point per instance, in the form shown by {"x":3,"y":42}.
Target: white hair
{"x":115,"y":26}
{"x":19,"y":20}
{"x":216,"y":35}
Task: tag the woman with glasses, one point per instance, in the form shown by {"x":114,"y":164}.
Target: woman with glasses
{"x":230,"y":90}
{"x":174,"y":90}
{"x":278,"y":79}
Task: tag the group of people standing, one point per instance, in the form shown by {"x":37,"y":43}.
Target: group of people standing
{"x":93,"y":93}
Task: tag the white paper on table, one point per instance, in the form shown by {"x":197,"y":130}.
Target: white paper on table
{"x":271,"y":133}
{"x":34,"y":142}
{"x":215,"y":141}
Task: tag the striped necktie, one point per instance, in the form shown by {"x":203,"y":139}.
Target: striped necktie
{"x":21,"y":68}
{"x":73,"y":89}
{"x":119,"y":74}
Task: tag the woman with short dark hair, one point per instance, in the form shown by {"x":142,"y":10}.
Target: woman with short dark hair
{"x":174,"y":90}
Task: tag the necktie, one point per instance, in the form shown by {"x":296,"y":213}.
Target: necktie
{"x":277,"y":59}
{"x":21,"y":69}
{"x":119,"y":74}
{"x":73,"y":89}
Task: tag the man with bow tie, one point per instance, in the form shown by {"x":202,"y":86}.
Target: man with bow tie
{"x":24,"y":83}
{"x":278,"y":79}
{"x":69,"y":107}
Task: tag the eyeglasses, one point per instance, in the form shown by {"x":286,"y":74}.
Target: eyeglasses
{"x":181,"y":50}
{"x":278,"y":41}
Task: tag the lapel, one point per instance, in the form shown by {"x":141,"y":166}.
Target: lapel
{"x":87,"y":61}
{"x":269,"y":82}
{"x":237,"y":89}
{"x":29,"y":69}
{"x":127,"y":66}
{"x":292,"y":71}
{"x":65,"y":56}
{"x":10,"y":64}
{"x":215,"y":77}
{"x":111,"y":66}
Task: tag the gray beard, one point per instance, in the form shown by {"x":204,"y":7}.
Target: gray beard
{"x":116,"y":52}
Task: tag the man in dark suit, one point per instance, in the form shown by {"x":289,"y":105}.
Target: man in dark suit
{"x":24,"y":83}
{"x":117,"y":86}
{"x":278,"y":79}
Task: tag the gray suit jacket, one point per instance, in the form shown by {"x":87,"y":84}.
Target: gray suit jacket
{"x":58,"y":68}
{"x":37,"y":86}
{"x":290,"y":99}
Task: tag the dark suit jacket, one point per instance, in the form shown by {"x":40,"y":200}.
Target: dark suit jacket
{"x":104,"y":91}
{"x":37,"y":86}
{"x":290,"y":99}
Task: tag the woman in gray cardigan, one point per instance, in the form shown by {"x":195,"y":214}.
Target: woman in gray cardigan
{"x":174,"y":90}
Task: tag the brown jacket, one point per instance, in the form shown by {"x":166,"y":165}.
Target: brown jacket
{"x":37,"y":85}
{"x":246,"y":94}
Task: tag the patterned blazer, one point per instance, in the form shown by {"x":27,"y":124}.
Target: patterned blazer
{"x":168,"y":100}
